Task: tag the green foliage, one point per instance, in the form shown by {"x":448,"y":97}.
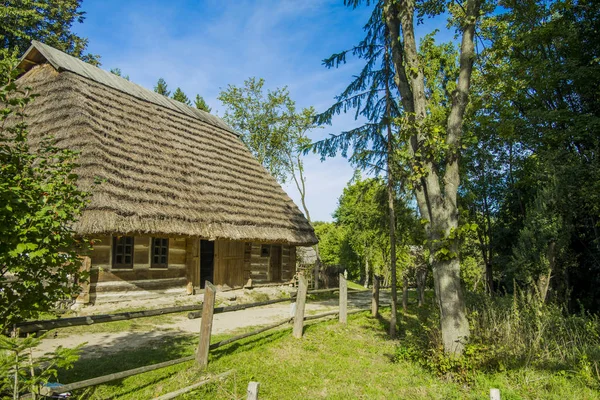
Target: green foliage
{"x":17,"y":362}
{"x":40,"y":201}
{"x":181,"y":97}
{"x":49,"y":21}
{"x":161,"y":88}
{"x":509,"y":334}
{"x":532,"y":167}
{"x":117,"y":72}
{"x":359,"y":237}
{"x":200,"y":104}
{"x":270,"y":126}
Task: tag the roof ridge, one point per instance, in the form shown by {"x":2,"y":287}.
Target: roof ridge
{"x":65,"y":62}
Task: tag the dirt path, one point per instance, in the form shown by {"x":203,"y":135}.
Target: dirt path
{"x":179,"y":325}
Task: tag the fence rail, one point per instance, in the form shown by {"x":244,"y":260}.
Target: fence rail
{"x":204,"y":345}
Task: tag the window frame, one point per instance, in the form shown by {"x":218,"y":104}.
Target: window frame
{"x":159,"y":265}
{"x":115,"y":254}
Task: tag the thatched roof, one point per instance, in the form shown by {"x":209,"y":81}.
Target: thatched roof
{"x":165,"y":168}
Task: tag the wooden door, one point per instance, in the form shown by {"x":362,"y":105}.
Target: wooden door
{"x":229,"y":263}
{"x":275,"y":264}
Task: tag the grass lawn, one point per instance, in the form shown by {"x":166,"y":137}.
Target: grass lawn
{"x":331,"y":361}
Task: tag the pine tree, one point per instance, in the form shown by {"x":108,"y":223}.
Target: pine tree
{"x":49,"y":21}
{"x":161,"y":87}
{"x":117,"y":71}
{"x":373,"y":144}
{"x":201,"y":104}
{"x":180,"y":96}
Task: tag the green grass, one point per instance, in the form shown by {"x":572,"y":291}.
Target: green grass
{"x":356,"y":286}
{"x":331,"y":361}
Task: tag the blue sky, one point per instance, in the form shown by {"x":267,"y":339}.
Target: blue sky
{"x":202,"y":46}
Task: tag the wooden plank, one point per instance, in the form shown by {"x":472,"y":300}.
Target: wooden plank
{"x":300,"y":304}
{"x":252,"y":391}
{"x":237,"y":307}
{"x":187,"y":389}
{"x":375,"y":297}
{"x":494,"y":394}
{"x":206,"y":325}
{"x":49,"y":391}
{"x":35,"y":326}
{"x":343,"y":299}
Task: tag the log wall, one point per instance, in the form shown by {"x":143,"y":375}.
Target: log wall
{"x":259,"y":266}
{"x":110,"y":284}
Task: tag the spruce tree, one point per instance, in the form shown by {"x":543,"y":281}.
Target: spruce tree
{"x":161,"y":87}
{"x":48,"y":21}
{"x":180,"y":96}
{"x":201,"y":104}
{"x":373,"y":143}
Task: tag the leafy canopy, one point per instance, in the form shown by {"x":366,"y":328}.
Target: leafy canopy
{"x":39,"y":202}
{"x":269,"y":124}
{"x":49,"y":21}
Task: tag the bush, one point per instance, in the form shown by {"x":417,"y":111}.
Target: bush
{"x":510,"y":333}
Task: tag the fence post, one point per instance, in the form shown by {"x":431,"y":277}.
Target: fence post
{"x":206,"y":324}
{"x":494,"y":394}
{"x":375,"y":297}
{"x":343,"y":299}
{"x":300,"y":303}
{"x":252,"y":391}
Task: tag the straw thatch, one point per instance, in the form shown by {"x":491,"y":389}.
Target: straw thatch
{"x":164,"y":169}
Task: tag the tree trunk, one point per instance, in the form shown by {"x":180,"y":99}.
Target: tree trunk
{"x":448,"y":291}
{"x":404,"y":293}
{"x":366,"y":271}
{"x":392,"y":222}
{"x":543,"y":283}
{"x":436,"y":194}
{"x":421,"y":278}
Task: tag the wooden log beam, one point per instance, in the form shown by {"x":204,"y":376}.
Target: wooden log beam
{"x":300,"y":304}
{"x":343,"y":299}
{"x":35,"y":326}
{"x":49,"y":391}
{"x":237,"y":307}
{"x":375,"y":297}
{"x":186,"y":389}
{"x":252,"y":391}
{"x":206,"y":325}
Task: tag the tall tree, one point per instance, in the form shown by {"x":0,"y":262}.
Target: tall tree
{"x":201,"y":104}
{"x":434,"y":149}
{"x":49,"y":21}
{"x":374,"y":143}
{"x":181,"y":97}
{"x":543,"y":64}
{"x":272,"y":129}
{"x":161,"y":88}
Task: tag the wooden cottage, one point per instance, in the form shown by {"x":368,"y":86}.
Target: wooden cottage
{"x":180,"y":199}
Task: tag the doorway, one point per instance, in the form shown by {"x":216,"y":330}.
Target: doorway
{"x":275,"y":263}
{"x":207,"y":261}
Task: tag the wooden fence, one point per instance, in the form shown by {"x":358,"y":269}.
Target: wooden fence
{"x":204,"y":345}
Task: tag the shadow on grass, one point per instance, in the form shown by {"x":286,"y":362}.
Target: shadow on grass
{"x":118,"y":355}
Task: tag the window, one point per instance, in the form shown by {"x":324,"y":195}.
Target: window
{"x":160,"y":253}
{"x":122,"y":252}
{"x":265,"y":250}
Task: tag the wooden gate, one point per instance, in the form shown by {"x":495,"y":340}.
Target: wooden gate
{"x":229,"y":263}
